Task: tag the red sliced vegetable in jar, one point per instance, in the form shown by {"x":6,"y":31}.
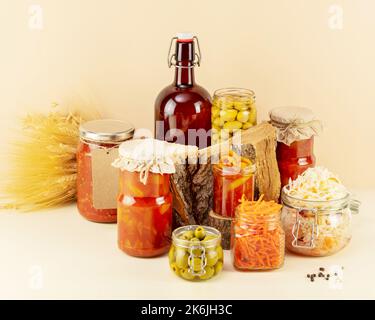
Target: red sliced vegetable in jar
{"x":97,"y":180}
{"x":233,"y":178}
{"x":145,"y":200}
{"x":296,"y":128}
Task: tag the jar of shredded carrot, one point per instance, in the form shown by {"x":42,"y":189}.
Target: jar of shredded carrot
{"x":258,"y":239}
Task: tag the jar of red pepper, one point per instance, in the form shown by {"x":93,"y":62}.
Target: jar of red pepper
{"x":296,"y":128}
{"x":145,"y":201}
{"x":97,"y":180}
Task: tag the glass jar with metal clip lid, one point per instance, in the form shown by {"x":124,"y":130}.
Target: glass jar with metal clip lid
{"x":196,"y":252}
{"x":317,"y":228}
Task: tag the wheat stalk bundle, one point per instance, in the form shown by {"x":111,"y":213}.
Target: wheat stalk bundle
{"x":42,"y":162}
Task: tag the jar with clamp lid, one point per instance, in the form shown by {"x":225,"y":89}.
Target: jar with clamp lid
{"x":317,"y":228}
{"x":196,"y":252}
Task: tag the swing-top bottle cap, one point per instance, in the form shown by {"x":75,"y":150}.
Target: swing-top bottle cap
{"x":184,"y":36}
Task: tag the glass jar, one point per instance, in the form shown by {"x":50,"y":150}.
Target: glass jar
{"x":144,"y":214}
{"x":97,"y":180}
{"x":233,"y":109}
{"x":317,"y":228}
{"x":231,"y":182}
{"x":295,"y":159}
{"x":196,"y":252}
{"x":258,"y":239}
{"x":145,"y":200}
{"x":296,"y":128}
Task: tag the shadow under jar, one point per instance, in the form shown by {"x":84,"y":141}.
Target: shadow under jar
{"x":97,"y":180}
{"x":317,"y":228}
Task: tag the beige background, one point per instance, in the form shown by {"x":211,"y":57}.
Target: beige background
{"x":112,"y":54}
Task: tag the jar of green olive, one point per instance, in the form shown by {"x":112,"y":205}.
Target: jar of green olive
{"x":233,"y":109}
{"x":196,"y":252}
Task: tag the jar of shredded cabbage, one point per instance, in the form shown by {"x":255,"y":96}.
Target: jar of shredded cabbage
{"x":317,"y":213}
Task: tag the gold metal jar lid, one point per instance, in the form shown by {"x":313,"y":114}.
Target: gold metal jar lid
{"x":106,"y":131}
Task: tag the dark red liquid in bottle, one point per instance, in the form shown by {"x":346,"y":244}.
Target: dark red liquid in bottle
{"x":183,"y":109}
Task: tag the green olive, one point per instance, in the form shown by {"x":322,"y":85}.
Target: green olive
{"x":233,"y":125}
{"x":220,"y":252}
{"x":209,"y":272}
{"x":196,"y":264}
{"x":197,"y":252}
{"x":247,"y":125}
{"x":212,"y":258}
{"x":243,"y":116}
{"x":241,"y":105}
{"x":195,"y":241}
{"x":171,"y":254}
{"x":209,"y":237}
{"x":218,"y":122}
{"x":216,"y":127}
{"x":253,"y":116}
{"x":185,"y":273}
{"x":228,"y":115}
{"x":181,"y":259}
{"x":200,"y":233}
{"x":188,"y":235}
{"x":215,"y":112}
{"x":218,"y":267}
{"x":175,"y":268}
{"x":226,"y":104}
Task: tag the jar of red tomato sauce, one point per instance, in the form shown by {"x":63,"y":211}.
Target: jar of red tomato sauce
{"x":97,"y":180}
{"x":233,"y":179}
{"x":145,"y":201}
{"x":296,"y":128}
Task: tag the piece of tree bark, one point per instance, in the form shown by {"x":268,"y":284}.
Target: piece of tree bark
{"x":223,"y":224}
{"x":192,"y":184}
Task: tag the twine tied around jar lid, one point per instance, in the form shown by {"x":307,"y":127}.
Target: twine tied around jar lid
{"x":151,"y":155}
{"x":294,"y":124}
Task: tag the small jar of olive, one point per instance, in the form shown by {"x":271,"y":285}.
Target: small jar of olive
{"x":196,"y":252}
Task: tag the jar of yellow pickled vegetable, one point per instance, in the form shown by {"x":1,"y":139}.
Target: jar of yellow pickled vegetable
{"x":196,"y":253}
{"x":233,"y":109}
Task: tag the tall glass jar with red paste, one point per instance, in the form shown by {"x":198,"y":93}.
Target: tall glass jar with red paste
{"x":183,"y":108}
{"x":97,"y":180}
{"x":296,"y":128}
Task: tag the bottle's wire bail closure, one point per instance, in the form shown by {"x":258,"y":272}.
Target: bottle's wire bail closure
{"x":171,"y":58}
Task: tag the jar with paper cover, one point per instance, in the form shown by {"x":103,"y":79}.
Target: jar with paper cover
{"x":145,"y":200}
{"x":97,"y":180}
{"x":296,"y":128}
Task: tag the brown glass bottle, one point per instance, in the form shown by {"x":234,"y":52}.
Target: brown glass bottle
{"x":183,"y":109}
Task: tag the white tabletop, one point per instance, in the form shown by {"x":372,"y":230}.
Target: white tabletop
{"x":56,"y":254}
